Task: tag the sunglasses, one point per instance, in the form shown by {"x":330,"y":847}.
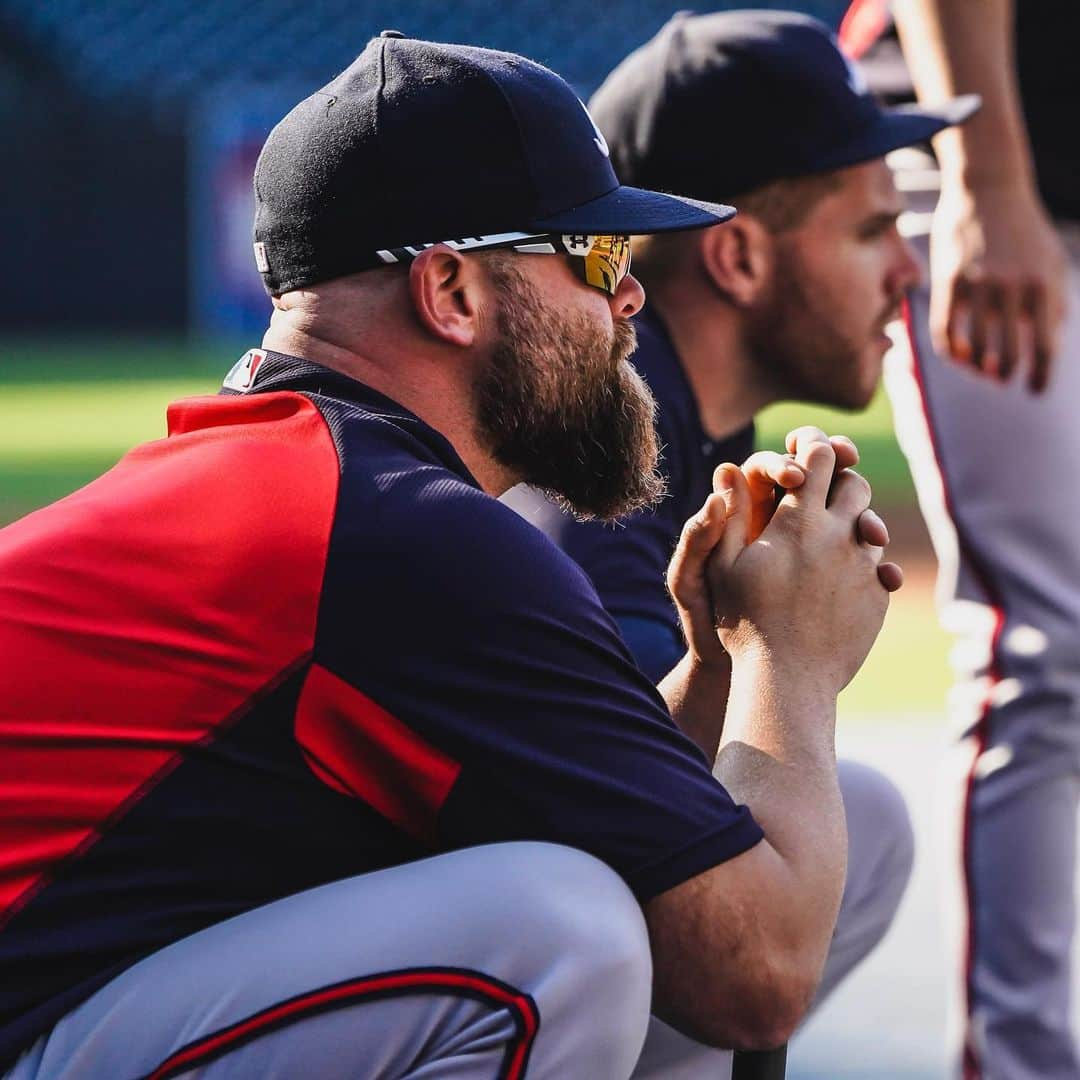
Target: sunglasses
{"x":600,"y":261}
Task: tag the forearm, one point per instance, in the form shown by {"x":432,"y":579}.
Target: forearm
{"x":738,"y":953}
{"x":696,"y":694}
{"x":963,"y":47}
{"x":778,"y":756}
{"x":738,"y":950}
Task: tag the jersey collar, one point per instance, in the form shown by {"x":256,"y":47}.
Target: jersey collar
{"x":263,"y":371}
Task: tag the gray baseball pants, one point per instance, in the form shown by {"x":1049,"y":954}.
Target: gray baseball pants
{"x":501,"y":961}
{"x":988,"y":463}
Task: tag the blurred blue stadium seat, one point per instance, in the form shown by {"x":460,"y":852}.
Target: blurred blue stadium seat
{"x":167,"y":51}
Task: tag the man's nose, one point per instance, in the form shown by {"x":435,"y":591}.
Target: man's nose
{"x":908,"y":270}
{"x":629,"y":298}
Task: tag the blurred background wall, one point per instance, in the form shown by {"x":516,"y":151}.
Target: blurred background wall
{"x":130,"y":128}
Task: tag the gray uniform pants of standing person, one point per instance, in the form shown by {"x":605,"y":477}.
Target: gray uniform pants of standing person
{"x":992,"y":469}
{"x":503,"y":961}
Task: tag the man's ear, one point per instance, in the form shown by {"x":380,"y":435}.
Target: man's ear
{"x":446,"y":292}
{"x":738,"y":258}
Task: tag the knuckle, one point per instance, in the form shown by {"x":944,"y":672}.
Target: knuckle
{"x":861,"y":485}
{"x":720,"y":470}
{"x":820,"y":454}
{"x":807,"y":432}
{"x":872,"y":555}
{"x":691,"y":526}
{"x":676,"y":586}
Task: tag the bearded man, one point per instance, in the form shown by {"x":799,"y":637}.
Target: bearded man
{"x":317,"y":758}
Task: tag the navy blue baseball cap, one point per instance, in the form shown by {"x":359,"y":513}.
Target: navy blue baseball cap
{"x":717,"y":105}
{"x":418,"y":142}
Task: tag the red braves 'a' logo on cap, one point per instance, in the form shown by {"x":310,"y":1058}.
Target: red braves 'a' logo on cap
{"x":244,"y":371}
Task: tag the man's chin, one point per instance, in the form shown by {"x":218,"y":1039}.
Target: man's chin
{"x":856,"y":399}
{"x":868,"y":378}
{"x":853,"y":398}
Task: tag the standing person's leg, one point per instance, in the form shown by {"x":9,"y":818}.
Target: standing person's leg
{"x":484,"y":963}
{"x":991,"y":468}
{"x":880,"y":855}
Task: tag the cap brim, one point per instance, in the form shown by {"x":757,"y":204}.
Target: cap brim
{"x":904,"y":125}
{"x":637,"y":212}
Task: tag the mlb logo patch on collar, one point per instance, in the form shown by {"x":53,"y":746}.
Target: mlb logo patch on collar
{"x":245,"y":371}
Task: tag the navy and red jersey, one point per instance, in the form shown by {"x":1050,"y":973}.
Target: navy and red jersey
{"x":289,"y":643}
{"x":628,"y":561}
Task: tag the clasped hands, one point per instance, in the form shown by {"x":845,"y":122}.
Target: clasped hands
{"x":802,"y":575}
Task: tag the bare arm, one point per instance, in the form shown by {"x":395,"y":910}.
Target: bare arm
{"x":696,"y":692}
{"x":997,"y":268}
{"x":738,"y":951}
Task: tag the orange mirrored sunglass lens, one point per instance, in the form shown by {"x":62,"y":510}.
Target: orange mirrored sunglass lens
{"x":605,"y":259}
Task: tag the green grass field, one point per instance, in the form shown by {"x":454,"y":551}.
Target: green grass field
{"x":69,"y":411}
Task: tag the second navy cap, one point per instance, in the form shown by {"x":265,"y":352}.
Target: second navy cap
{"x":716,"y":105}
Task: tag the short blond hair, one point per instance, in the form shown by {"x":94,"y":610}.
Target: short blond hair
{"x":780,"y":206}
{"x":786,"y":204}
